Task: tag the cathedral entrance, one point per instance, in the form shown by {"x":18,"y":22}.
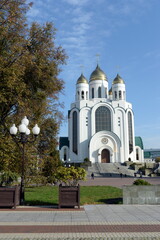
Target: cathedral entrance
{"x":105,"y":156}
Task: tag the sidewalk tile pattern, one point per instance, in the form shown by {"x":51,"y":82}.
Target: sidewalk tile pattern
{"x":93,"y":222}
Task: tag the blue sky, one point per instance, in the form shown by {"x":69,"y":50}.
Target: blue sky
{"x":126,"y":34}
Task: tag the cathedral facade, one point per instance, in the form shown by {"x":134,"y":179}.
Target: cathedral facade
{"x":100,"y":123}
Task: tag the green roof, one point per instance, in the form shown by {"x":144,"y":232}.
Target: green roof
{"x":147,"y":154}
{"x":139,"y":142}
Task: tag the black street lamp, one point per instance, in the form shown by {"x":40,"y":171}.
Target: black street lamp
{"x":23,"y":139}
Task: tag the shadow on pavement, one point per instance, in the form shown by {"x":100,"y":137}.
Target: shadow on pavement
{"x":40,"y":203}
{"x":111,"y":201}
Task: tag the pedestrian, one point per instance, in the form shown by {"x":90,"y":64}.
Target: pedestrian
{"x":140,"y":174}
{"x":121,"y":175}
{"x":92,"y":175}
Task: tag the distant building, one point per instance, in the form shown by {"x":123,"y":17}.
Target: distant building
{"x":101,"y":123}
{"x":151,"y":153}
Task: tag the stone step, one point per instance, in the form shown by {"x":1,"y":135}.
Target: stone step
{"x":110,"y":169}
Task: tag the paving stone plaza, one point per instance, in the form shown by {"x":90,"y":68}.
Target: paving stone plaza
{"x":106,"y":221}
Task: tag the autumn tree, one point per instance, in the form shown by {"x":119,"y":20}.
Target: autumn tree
{"x":29,"y":76}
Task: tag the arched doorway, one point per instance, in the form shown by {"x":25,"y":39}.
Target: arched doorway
{"x":105,"y":156}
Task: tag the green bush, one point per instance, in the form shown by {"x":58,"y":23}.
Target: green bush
{"x":85,"y":164}
{"x":141,"y":182}
{"x":86,"y":160}
{"x":157,"y":159}
{"x":70,"y":176}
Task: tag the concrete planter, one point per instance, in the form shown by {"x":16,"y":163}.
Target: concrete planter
{"x":69,"y":196}
{"x":140,"y":194}
{"x":9,"y":196}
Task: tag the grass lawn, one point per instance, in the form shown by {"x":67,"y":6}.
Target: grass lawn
{"x":48,"y":195}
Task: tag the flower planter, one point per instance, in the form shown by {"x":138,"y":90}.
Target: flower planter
{"x":9,"y":196}
{"x":69,"y":196}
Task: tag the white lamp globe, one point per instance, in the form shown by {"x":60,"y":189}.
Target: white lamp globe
{"x":27,"y":131}
{"x":36,"y":130}
{"x":25,"y":121}
{"x":22,"y":128}
{"x":13,"y":130}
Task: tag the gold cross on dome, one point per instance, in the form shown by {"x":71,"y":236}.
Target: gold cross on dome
{"x":82,"y":68}
{"x":117,"y":68}
{"x":97,"y":56}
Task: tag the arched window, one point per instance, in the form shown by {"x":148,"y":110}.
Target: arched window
{"x":124,"y":95}
{"x":130,"y":132}
{"x":115,"y":95}
{"x":120,"y":95}
{"x":92,"y":92}
{"x":78,"y":95}
{"x":65,"y":154}
{"x":74,"y":132}
{"x":137,"y":154}
{"x":87,"y":95}
{"x":99,"y":92}
{"x":106,"y":92}
{"x":103,"y":119}
{"x":82,"y":94}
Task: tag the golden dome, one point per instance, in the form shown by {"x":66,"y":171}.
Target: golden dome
{"x":110,"y":91}
{"x":118,"y":79}
{"x":98,"y":74}
{"x":82,"y":79}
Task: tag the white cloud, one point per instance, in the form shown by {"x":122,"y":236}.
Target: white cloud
{"x":77,"y":11}
{"x":72,"y":40}
{"x":77,"y":2}
{"x":75,"y":39}
{"x":83,"y":18}
{"x":80,"y":29}
{"x":120,"y":8}
{"x":106,"y":33}
{"x":153,"y":53}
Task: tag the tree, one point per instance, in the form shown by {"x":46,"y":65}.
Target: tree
{"x":47,"y":148}
{"x":29,"y":68}
{"x":51,"y":166}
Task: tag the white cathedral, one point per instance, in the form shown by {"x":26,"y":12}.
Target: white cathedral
{"x":101,"y":123}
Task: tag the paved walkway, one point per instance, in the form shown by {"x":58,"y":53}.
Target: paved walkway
{"x":117,"y":182}
{"x":90,"y":222}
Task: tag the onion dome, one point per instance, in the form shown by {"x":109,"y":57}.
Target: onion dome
{"x":82,"y":79}
{"x":110,"y":91}
{"x":98,"y":74}
{"x":118,"y":79}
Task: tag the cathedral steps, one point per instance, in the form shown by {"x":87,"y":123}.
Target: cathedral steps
{"x":95,"y":169}
{"x":110,"y":170}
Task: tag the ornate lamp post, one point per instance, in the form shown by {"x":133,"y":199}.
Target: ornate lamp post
{"x":23,"y":139}
{"x":68,"y":163}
